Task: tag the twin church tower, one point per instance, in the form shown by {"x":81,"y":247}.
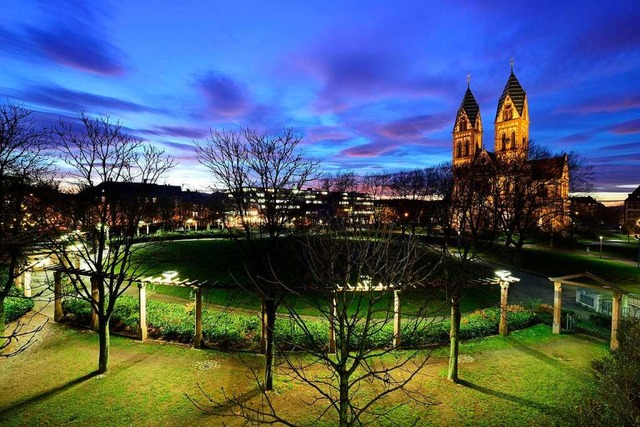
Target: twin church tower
{"x":511,"y":136}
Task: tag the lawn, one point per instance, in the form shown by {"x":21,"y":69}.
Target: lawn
{"x":515,"y":380}
{"x":555,"y":263}
{"x":219,"y":261}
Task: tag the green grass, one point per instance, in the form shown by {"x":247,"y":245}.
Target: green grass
{"x":514,"y":380}
{"x":559,"y":263}
{"x":220,"y":261}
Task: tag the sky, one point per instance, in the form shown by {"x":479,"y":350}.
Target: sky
{"x":371,"y":85}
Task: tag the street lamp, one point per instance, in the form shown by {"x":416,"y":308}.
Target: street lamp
{"x":504,"y":279}
{"x":600,"y":246}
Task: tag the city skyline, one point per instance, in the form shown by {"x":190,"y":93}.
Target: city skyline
{"x":372,"y":87}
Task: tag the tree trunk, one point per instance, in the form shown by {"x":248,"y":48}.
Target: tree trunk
{"x":270,"y":306}
{"x":103,"y":357}
{"x":344,"y":401}
{"x":2,"y":320}
{"x":454,"y":340}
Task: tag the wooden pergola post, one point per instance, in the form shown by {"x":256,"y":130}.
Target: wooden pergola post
{"x":616,"y":315}
{"x":332,"y":326}
{"x":18,"y":281}
{"x":95,"y":296}
{"x":142,"y":323}
{"x":557,"y":307}
{"x":503,"y":328}
{"x":26,"y":275}
{"x":58,"y":314}
{"x":197,"y":338}
{"x":396,"y":319}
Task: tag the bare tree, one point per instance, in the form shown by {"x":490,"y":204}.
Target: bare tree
{"x":262,"y":174}
{"x":351,"y":278}
{"x":24,"y":165}
{"x":111,"y":170}
{"x":376,"y":186}
{"x":465,"y":215}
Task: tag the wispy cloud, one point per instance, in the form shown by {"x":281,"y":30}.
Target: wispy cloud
{"x":224,"y":95}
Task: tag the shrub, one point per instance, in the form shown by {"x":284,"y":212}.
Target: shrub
{"x":226,"y":330}
{"x":16,"y":307}
{"x":617,"y":383}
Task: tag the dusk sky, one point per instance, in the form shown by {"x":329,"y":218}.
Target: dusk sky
{"x":372,"y":85}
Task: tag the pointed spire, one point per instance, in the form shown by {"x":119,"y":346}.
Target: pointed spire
{"x":512,"y":62}
{"x":468,"y":79}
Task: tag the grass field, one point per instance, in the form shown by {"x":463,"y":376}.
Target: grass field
{"x":557,"y":263}
{"x":220,"y":262}
{"x":529,"y":378}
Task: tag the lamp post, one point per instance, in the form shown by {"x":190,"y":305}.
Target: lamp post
{"x":504,"y":279}
{"x":458,"y":239}
{"x":600,"y":246}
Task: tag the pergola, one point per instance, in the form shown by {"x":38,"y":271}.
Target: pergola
{"x":168,"y":278}
{"x":594,"y":282}
{"x":367,"y":286}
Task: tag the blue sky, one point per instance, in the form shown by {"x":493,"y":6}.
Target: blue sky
{"x":372,"y":85}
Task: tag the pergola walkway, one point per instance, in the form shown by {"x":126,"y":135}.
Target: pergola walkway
{"x":589,"y":281}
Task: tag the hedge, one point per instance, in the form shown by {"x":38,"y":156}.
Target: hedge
{"x":16,"y":307}
{"x":242,"y":331}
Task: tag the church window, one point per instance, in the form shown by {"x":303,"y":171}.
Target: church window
{"x":524,"y":143}
{"x":459,"y":149}
{"x":513,"y":140}
{"x":507,"y":113}
{"x":463,"y":124}
{"x":504,"y":142}
{"x":466,"y":148}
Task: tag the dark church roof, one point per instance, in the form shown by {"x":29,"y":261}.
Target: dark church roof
{"x":515,"y":91}
{"x":470,"y":106}
{"x":550,"y":168}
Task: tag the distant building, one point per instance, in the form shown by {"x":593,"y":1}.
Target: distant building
{"x":632,"y":212}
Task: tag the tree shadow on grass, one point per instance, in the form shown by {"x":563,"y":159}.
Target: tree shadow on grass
{"x":223,"y":407}
{"x":34,"y":400}
{"x":510,"y":397}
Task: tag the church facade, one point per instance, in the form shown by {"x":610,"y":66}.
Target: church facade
{"x":521,"y":182}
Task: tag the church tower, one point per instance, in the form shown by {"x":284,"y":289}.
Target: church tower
{"x":512,"y":121}
{"x":467,"y":130}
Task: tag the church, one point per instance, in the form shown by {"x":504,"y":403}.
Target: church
{"x":544,"y":189}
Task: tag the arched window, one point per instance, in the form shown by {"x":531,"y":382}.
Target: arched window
{"x":463,"y":124}
{"x":524,"y":143}
{"x":466,"y":147}
{"x":507,"y":113}
{"x":459,"y":149}
{"x":504,"y":142}
{"x":513,"y":141}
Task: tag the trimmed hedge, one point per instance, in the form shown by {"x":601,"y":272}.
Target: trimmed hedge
{"x":176,"y":322}
{"x":16,"y":307}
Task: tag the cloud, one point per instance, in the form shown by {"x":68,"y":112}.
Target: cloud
{"x":415,"y":127}
{"x":626,"y":128}
{"x":630,"y":146}
{"x":358,"y":65}
{"x":77,"y":49}
{"x":370,"y":149}
{"x":76,"y":101}
{"x":177,"y":131}
{"x":73,"y":36}
{"x":603,"y":104}
{"x":576,"y":137}
{"x":225,"y":96}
